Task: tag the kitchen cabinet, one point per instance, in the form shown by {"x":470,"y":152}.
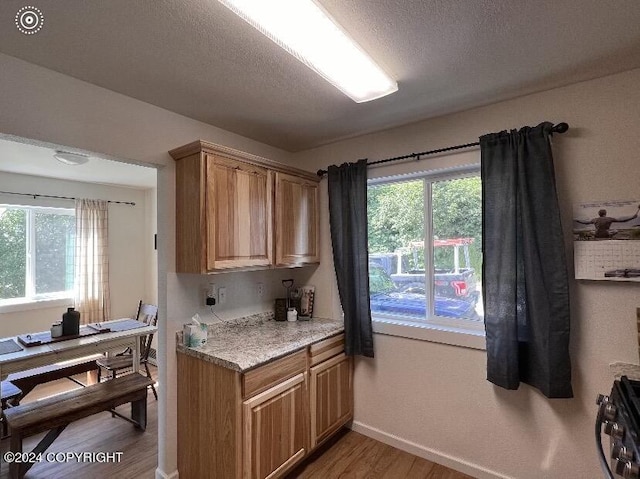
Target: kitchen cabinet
{"x":331,"y":397}
{"x":238,"y":214}
{"x":260,"y":423}
{"x":230,"y":205}
{"x":275,"y":429}
{"x":297,"y":235}
{"x":331,"y":388}
{"x":209,"y":420}
{"x":275,"y":416}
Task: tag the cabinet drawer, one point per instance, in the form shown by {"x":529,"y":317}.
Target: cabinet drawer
{"x":263,"y":377}
{"x":326,"y":349}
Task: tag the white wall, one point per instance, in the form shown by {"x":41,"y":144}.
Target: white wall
{"x":128,"y":242}
{"x":433,"y":399}
{"x":43,"y":105}
{"x":151,"y":258}
{"x":242,"y":292}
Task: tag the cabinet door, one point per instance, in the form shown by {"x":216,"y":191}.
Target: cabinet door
{"x":331,"y":397}
{"x":297,"y":233}
{"x":275,"y":431}
{"x":238,"y":209}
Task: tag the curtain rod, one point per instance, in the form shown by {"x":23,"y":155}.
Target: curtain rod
{"x":559,"y":128}
{"x":35,"y":195}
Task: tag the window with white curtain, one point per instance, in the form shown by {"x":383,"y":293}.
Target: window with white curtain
{"x":37,"y":250}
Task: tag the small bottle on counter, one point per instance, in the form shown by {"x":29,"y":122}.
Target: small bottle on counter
{"x":71,"y":322}
{"x":56,"y":330}
{"x":292,"y":314}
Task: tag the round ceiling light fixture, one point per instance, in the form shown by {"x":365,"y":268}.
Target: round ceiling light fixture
{"x":69,"y":158}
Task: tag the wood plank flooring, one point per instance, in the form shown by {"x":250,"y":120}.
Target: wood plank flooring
{"x":348,"y":456}
{"x":354,"y":456}
{"x":97,"y":433}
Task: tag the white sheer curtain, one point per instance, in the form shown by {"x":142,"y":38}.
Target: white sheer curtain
{"x":92,"y":261}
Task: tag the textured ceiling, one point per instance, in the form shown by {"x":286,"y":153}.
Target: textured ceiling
{"x":196,"y":58}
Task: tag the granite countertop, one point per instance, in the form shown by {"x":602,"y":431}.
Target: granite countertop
{"x":246,"y":343}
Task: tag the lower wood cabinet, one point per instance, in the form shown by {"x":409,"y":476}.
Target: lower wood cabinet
{"x":260,"y":424}
{"x":331,"y":397}
{"x":275,"y":429}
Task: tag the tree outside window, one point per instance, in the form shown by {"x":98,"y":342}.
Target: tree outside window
{"x":36,"y":252}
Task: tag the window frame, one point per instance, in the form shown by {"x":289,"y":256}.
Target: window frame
{"x":439,"y":329}
{"x":31,"y":300}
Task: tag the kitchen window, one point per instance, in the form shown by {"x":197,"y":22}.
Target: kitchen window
{"x":425,"y":257}
{"x":37,"y":247}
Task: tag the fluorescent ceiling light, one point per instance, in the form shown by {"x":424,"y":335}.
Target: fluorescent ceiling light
{"x":307,"y":32}
{"x":70,"y":158}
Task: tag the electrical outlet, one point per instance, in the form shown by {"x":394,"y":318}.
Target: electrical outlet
{"x":222,"y":295}
{"x":210,"y":294}
{"x":260,"y":290}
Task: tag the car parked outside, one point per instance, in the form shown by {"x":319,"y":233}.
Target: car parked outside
{"x":387,"y":298}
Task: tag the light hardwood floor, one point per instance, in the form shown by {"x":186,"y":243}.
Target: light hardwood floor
{"x":350,"y":455}
{"x":99,"y":432}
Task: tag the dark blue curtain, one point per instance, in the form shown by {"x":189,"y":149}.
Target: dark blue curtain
{"x":524,"y":278}
{"x":348,"y":217}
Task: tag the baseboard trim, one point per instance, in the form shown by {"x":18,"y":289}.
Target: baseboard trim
{"x":160,"y":474}
{"x":426,"y":453}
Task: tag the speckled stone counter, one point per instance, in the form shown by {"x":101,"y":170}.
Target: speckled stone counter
{"x":246,"y":343}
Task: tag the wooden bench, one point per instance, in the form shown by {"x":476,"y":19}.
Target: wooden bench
{"x":55,"y":413}
{"x":27,"y":380}
{"x":9,"y":396}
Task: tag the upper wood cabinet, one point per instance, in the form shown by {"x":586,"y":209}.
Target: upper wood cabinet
{"x":226,"y":216}
{"x":297,"y":235}
{"x":238,"y":214}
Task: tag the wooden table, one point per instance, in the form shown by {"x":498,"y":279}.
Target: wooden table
{"x":46,"y":354}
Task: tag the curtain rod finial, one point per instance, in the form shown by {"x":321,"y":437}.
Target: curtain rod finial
{"x":561,"y":127}
{"x":321,"y":173}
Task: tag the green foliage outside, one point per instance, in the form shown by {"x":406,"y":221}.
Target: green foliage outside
{"x":396,"y":218}
{"x":13,"y":244}
{"x":457,"y":213}
{"x":54,"y":251}
{"x":395,"y":215}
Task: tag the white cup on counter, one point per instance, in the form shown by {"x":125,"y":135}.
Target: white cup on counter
{"x":56,"y":330}
{"x":292,"y":314}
